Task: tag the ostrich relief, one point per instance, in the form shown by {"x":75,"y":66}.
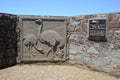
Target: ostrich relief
{"x":49,"y":37}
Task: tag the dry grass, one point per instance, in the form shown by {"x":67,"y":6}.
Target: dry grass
{"x":51,"y":72}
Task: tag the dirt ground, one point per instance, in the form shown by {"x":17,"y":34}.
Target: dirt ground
{"x":51,"y":72}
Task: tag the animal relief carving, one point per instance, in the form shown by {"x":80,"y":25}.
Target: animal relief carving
{"x":49,"y":38}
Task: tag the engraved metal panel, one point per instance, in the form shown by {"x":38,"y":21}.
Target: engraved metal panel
{"x":97,"y":29}
{"x":43,"y":39}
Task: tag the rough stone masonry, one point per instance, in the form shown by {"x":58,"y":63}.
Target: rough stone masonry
{"x":97,"y":55}
{"x":100,"y":56}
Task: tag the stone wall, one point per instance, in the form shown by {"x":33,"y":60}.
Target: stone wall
{"x":8,"y":40}
{"x":100,"y":56}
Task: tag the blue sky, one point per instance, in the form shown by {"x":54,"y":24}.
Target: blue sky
{"x":59,"y":7}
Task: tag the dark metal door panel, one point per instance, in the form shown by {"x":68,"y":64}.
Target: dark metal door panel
{"x":43,"y":39}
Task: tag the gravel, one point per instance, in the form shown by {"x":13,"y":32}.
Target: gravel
{"x":51,"y":72}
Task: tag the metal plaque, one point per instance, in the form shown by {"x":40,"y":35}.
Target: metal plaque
{"x":97,"y":27}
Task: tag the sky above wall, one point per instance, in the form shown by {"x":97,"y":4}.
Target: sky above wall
{"x":59,"y":7}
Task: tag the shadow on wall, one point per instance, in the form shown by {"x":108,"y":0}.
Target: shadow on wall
{"x":8,"y":40}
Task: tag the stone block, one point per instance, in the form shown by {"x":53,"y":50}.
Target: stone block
{"x":71,"y":57}
{"x":72,"y":62}
{"x":115,"y":72}
{"x":79,"y":62}
{"x":73,"y":49}
{"x":115,"y":54}
{"x":2,"y":53}
{"x":92,"y":51}
{"x":72,"y":37}
{"x":107,"y":68}
{"x":11,"y":52}
{"x":80,"y":38}
{"x":115,"y":60}
{"x":79,"y":57}
{"x":101,"y":16}
{"x":117,"y":31}
{"x":96,"y":64}
{"x":2,"y":63}
{"x":114,"y":24}
{"x":87,"y":61}
{"x":81,"y":49}
{"x":117,"y":66}
{"x":105,"y":61}
{"x":71,"y":28}
{"x":11,"y":61}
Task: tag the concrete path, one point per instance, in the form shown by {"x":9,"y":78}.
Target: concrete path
{"x":51,"y":72}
